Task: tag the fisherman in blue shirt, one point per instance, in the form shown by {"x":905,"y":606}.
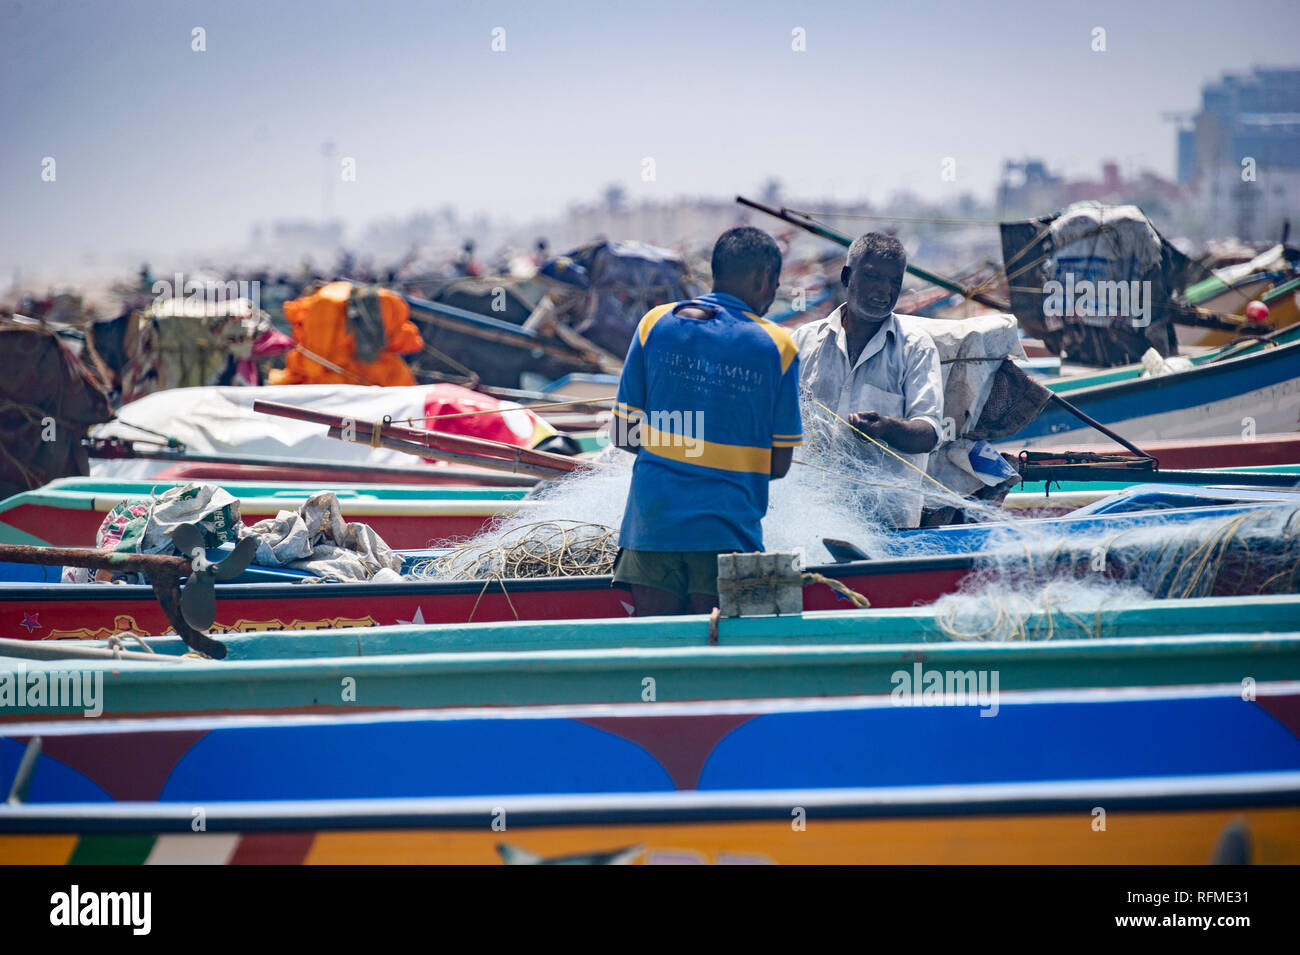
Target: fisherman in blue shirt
{"x":709,"y":404}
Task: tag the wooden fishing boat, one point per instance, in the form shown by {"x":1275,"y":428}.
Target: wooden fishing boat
{"x":1252,"y":387}
{"x":919,"y":568}
{"x":68,"y":512}
{"x":1052,"y":497}
{"x":1260,"y":451}
{"x":867,"y":778}
{"x":1150,"y":643}
{"x":1154,"y":821}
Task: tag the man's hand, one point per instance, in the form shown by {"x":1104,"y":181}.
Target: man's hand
{"x":872,"y":424}
{"x":902,"y":434}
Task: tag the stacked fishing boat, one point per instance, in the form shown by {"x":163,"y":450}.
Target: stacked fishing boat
{"x":1112,"y":679}
{"x":1142,"y":730}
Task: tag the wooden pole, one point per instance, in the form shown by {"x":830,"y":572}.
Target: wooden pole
{"x":95,"y":559}
{"x":934,"y":278}
{"x":487,"y":450}
{"x":441,"y":454}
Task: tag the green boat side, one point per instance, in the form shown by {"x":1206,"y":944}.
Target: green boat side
{"x":908,"y":625}
{"x":663,"y":659}
{"x":81,"y":487}
{"x":1111,"y":376}
{"x":546,"y":677}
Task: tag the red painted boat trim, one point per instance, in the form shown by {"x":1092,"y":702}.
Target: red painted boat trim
{"x":1263,"y":450}
{"x":181,"y":473}
{"x":76,"y":527}
{"x":94,"y":612}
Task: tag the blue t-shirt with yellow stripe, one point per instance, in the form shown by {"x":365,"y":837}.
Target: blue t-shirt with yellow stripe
{"x":713,"y":397}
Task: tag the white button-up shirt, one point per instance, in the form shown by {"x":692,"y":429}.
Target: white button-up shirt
{"x":897,"y":374}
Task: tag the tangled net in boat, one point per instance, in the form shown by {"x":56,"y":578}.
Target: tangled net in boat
{"x":1033,"y":592}
{"x":1061,"y":610}
{"x":559,"y":548}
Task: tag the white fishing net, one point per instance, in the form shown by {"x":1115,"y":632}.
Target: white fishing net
{"x":1033,"y":579}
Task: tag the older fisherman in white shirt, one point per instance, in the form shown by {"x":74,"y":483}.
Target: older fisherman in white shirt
{"x":879,"y":373}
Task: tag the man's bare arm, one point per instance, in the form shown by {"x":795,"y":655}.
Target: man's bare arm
{"x":909,"y":435}
{"x":626,"y":436}
{"x":781,"y":458}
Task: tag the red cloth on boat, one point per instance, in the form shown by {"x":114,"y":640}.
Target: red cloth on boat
{"x":515,"y":425}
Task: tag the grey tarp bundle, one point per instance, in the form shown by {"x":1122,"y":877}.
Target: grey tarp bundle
{"x":1096,"y":243}
{"x":365,"y":322}
{"x":971,"y":352}
{"x":317,"y":539}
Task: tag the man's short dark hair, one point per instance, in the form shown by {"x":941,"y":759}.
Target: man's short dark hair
{"x":876,"y":245}
{"x":745,"y":250}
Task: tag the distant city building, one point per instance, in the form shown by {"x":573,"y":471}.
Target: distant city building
{"x":1241,"y":154}
{"x":1029,"y":189}
{"x":1256,"y":116}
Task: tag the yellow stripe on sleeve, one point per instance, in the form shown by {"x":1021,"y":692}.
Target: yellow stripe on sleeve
{"x":783,"y":340}
{"x":650,"y":318}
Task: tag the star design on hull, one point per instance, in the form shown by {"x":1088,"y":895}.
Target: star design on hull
{"x":30,"y":623}
{"x":417,"y":620}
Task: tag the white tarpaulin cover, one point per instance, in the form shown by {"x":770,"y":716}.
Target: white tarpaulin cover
{"x":218,"y":420}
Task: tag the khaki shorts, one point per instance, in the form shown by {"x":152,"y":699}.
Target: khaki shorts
{"x":678,"y":572}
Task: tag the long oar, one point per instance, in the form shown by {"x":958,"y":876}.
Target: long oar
{"x":934,"y":278}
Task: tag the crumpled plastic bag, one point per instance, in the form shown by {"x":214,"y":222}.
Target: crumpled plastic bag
{"x":145,"y":525}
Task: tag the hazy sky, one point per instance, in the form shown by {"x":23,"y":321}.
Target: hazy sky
{"x":161,"y":147}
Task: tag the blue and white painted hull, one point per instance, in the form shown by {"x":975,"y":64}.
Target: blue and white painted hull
{"x":1254,"y":394}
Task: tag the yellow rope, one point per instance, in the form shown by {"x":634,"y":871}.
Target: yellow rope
{"x":857,"y":599}
{"x":500,"y":581}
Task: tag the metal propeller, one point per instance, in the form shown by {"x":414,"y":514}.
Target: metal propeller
{"x":199,"y":595}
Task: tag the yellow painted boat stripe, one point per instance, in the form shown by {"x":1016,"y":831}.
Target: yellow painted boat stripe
{"x":1028,"y":499}
{"x":1181,"y":838}
{"x":36,"y":849}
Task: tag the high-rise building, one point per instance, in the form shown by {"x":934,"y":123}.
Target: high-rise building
{"x":1254,"y":116}
{"x":1242,"y":151}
